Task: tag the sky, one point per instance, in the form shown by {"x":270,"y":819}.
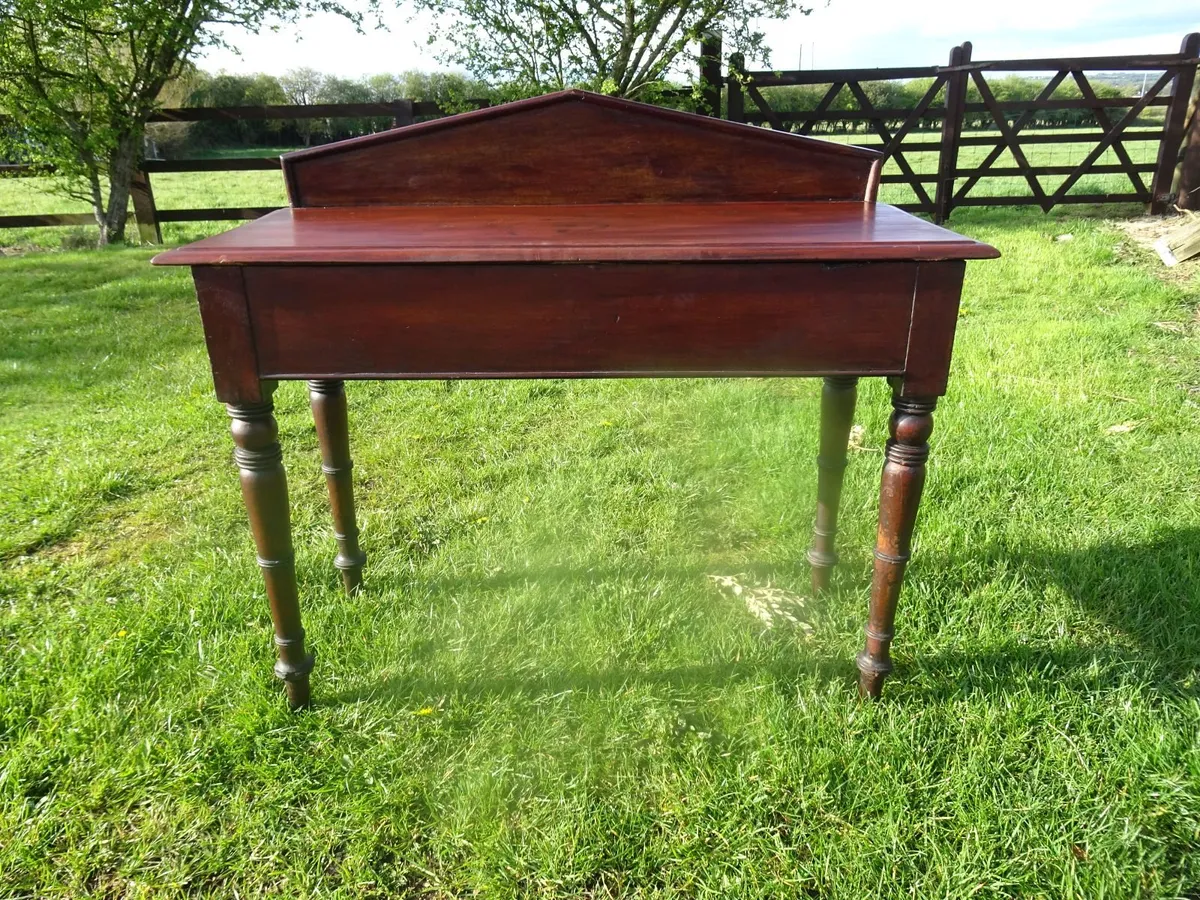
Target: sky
{"x":840,"y":33}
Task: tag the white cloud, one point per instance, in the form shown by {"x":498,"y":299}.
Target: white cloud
{"x":842,"y":33}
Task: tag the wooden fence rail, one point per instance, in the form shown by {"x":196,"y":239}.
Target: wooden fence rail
{"x":944,"y":104}
{"x":943,"y":108}
{"x":149,"y":218}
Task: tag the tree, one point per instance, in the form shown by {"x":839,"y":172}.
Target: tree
{"x":623,"y":48}
{"x":301,"y":87}
{"x":343,"y":90}
{"x":237,"y":90}
{"x":451,"y":90}
{"x":80,"y":78}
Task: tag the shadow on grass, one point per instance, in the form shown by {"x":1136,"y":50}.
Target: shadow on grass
{"x":788,"y":665}
{"x":406,"y":692}
{"x":559,"y":575}
{"x":1148,"y":593}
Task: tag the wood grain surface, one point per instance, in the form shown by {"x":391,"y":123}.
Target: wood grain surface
{"x":505,"y":321}
{"x":685,"y":232}
{"x":575,"y":147}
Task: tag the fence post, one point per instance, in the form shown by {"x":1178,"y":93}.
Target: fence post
{"x":956,"y":102}
{"x":402,"y":113}
{"x":145,"y":213}
{"x":736,"y":104}
{"x":1161,"y":196}
{"x":1188,"y":196}
{"x":710,"y":74}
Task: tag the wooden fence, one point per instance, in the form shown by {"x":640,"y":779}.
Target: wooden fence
{"x":945,"y":104}
{"x":943,"y":108}
{"x":149,"y":217}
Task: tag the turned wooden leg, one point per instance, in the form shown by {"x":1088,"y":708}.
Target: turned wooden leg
{"x":264,"y":487}
{"x":899,"y":495}
{"x":328,"y":399}
{"x":837,"y":414}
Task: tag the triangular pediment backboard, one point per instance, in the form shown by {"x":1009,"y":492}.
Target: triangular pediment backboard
{"x":576,"y":147}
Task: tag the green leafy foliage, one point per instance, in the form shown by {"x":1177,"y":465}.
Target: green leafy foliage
{"x":235,"y":90}
{"x":79,"y":79}
{"x":622,"y":48}
{"x":452,"y":91}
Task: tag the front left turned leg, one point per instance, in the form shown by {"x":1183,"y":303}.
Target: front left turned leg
{"x":328,"y":401}
{"x":264,"y":488}
{"x":837,"y":413}
{"x":899,"y":496}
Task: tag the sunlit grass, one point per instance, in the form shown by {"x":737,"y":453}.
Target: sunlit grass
{"x":543,"y":690}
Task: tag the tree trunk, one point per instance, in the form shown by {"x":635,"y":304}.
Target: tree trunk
{"x":93,"y":177}
{"x":120,"y":176}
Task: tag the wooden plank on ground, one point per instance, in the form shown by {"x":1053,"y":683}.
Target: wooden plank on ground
{"x":1181,"y":244}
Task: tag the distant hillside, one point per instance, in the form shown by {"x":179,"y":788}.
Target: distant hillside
{"x":1130,"y":84}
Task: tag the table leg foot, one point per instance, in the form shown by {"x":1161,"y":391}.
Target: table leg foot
{"x":838,"y":396}
{"x":264,"y":488}
{"x":292,"y":669}
{"x":899,"y":496}
{"x":328,"y":401}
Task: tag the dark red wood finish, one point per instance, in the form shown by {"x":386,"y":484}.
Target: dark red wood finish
{"x":583,"y":320}
{"x":226,"y":318}
{"x":931,"y":330}
{"x":264,"y":488}
{"x":677,"y":232}
{"x":463,"y":248}
{"x":327,"y":397}
{"x":911,"y":425}
{"x":837,"y":418}
{"x":534,"y":152}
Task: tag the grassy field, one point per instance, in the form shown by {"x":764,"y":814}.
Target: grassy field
{"x":544,"y":691}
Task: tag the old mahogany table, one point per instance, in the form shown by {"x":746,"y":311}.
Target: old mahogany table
{"x":579,"y":236}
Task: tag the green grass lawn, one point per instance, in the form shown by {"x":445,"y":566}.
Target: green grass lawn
{"x":543,"y":691}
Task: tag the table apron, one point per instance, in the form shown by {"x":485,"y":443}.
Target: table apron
{"x":506,"y":321}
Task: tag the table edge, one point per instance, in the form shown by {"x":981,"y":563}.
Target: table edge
{"x":580,"y":253}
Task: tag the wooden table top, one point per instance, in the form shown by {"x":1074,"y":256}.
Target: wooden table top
{"x":659,"y":232}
